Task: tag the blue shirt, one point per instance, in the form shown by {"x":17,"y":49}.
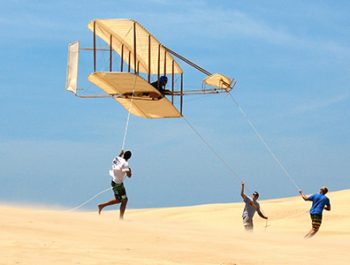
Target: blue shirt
{"x":319,"y":201}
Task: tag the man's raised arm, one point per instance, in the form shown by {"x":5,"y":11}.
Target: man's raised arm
{"x":242,"y":191}
{"x":303,"y":195}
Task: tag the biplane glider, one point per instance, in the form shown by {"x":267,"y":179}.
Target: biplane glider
{"x":145,"y":58}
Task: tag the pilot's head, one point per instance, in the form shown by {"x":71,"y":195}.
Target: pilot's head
{"x":163,"y":80}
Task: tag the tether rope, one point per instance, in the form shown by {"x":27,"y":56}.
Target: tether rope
{"x":123,"y":145}
{"x":214,"y":151}
{"x":128,"y":118}
{"x":126,"y":126}
{"x":266,"y":225}
{"x":274,"y":156}
{"x":93,"y":197}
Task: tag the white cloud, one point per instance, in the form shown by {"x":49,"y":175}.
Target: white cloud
{"x":207,"y":20}
{"x":179,"y":19}
{"x":320,"y":104}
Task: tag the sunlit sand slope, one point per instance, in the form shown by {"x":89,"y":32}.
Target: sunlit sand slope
{"x":206,"y":234}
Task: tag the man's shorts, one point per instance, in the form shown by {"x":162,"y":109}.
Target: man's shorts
{"x":248,"y":222}
{"x":119,"y":191}
{"x":316,"y":220}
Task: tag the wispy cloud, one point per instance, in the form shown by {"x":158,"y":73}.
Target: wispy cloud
{"x":320,"y":104}
{"x":226,"y":24}
{"x":180,"y":18}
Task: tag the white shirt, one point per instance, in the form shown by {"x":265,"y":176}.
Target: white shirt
{"x":249,"y":210}
{"x":119,"y":168}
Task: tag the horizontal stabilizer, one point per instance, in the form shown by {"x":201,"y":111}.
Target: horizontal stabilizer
{"x":219,"y":81}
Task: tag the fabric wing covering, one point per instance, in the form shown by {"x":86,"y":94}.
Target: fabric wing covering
{"x":72,"y":67}
{"x":119,"y":33}
{"x":122,"y":84}
{"x":219,"y":81}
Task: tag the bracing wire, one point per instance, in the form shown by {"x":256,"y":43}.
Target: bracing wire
{"x":274,"y":156}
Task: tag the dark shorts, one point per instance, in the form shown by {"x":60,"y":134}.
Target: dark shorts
{"x":316,"y":220}
{"x":119,"y":191}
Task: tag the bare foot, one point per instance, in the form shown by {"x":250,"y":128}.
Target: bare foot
{"x":100,"y":207}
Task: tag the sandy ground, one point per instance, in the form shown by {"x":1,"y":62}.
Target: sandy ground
{"x":205,"y":234}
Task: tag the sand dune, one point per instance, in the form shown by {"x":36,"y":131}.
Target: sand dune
{"x":205,"y":234}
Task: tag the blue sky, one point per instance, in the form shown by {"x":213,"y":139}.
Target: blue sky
{"x":291,"y":60}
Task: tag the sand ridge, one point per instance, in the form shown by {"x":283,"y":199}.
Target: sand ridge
{"x":204,"y":234}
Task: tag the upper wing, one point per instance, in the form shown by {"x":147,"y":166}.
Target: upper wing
{"x":124,"y":35}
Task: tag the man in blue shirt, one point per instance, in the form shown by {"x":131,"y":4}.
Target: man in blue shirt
{"x":320,"y":202}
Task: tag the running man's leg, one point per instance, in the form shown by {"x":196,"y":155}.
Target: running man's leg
{"x":316,"y":223}
{"x":103,"y":205}
{"x":122,"y":208}
{"x":311,"y":233}
{"x":120,"y":195}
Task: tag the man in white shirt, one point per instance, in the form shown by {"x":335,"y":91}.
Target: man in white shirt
{"x":120,"y":169}
{"x":251,"y":206}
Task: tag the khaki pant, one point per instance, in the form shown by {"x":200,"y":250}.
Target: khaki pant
{"x":248,"y":223}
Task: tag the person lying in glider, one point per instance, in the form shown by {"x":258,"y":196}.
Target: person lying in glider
{"x":251,"y":206}
{"x":160,"y":85}
{"x":120,"y":169}
{"x":320,"y":202}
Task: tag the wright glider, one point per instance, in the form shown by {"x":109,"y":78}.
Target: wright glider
{"x":142,"y":59}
